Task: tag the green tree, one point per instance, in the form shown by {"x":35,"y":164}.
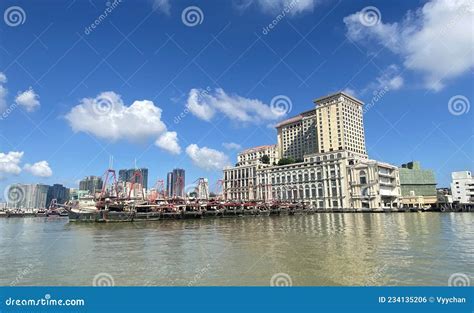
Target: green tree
{"x":265,"y":159}
{"x":286,"y":161}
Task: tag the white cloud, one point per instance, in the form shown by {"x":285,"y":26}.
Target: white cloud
{"x":206,"y":158}
{"x":206,"y":105}
{"x":28,"y":99}
{"x":10,"y":163}
{"x":3,"y":91}
{"x":162,"y":5}
{"x":232,"y":146}
{"x":169,"y":142}
{"x":277,"y":6}
{"x":390,"y":79}
{"x":434,"y":40}
{"x":40,"y":169}
{"x":106,"y":116}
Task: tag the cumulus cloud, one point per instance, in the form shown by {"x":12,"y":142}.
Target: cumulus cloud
{"x":10,"y":163}
{"x":277,"y":6}
{"x":28,"y":99}
{"x":169,"y":142}
{"x":232,"y":146}
{"x":162,"y":5}
{"x":434,"y":40}
{"x":40,"y":169}
{"x":3,"y":91}
{"x":107,"y":117}
{"x":205,"y":105}
{"x":206,"y":158}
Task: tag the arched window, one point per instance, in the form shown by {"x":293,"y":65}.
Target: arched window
{"x":363,"y":177}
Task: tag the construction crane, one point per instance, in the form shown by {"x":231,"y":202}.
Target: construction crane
{"x":109,"y":175}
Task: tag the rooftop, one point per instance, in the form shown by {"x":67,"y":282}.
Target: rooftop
{"x":257,"y":148}
{"x":333,"y":95}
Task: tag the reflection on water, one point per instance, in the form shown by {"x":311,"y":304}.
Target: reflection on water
{"x":319,"y":249}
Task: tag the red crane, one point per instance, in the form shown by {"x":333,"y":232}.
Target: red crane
{"x":109,"y":174}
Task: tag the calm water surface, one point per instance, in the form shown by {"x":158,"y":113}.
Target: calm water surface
{"x":319,"y":249}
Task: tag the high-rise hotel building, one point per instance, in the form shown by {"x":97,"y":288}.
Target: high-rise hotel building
{"x":330,"y":167}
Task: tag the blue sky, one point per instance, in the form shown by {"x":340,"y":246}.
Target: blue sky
{"x":148,"y":84}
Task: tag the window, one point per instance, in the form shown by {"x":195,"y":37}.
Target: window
{"x":363,"y":178}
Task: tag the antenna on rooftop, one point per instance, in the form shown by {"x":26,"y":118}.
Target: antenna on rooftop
{"x":111,"y":161}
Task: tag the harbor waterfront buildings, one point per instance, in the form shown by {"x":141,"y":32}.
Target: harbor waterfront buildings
{"x":462,"y":187}
{"x":126,"y":175}
{"x":92,"y":184}
{"x":418,"y":186}
{"x":320,"y":159}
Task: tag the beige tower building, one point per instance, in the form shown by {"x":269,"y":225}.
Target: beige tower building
{"x":339,"y":124}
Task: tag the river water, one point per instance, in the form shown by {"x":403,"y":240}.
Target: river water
{"x":319,"y":249}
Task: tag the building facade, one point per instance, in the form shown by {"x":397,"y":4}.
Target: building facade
{"x":255,"y":155}
{"x":29,"y":196}
{"x":126,"y":176}
{"x":92,"y":184}
{"x":58,"y":192}
{"x":329,"y":166}
{"x":175,"y":183}
{"x":418,"y":186}
{"x":462,"y":187}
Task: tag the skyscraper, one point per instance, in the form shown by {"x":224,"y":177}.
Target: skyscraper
{"x":175,"y":182}
{"x":31,"y":196}
{"x":126,"y":175}
{"x":169,"y":184}
{"x":178,"y":182}
{"x":92,"y":184}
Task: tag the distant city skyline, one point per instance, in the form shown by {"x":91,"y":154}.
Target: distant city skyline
{"x":158,"y":92}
